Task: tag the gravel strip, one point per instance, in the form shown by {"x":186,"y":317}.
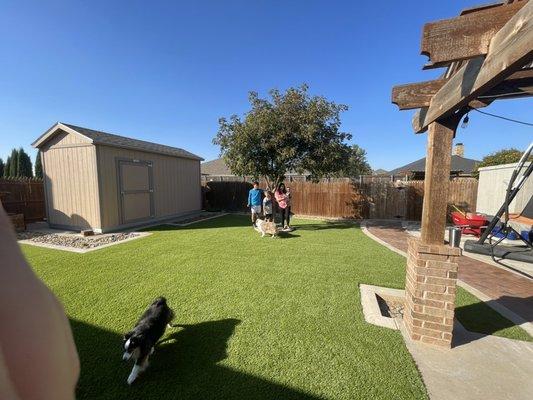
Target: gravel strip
{"x":390,"y":307}
{"x":74,"y":241}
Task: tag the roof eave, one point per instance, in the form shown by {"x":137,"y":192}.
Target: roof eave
{"x":52,"y":131}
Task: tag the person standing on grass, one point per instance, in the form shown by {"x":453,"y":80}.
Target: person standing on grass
{"x":254,"y":201}
{"x":283,"y":200}
{"x":289,"y":201}
{"x":267,"y":206}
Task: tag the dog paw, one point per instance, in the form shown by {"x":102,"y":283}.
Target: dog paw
{"x":134,"y":373}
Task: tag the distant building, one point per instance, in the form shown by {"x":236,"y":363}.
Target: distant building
{"x":460,"y":166}
{"x":217,"y":170}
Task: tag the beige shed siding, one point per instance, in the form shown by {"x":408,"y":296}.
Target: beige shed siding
{"x":491,"y":190}
{"x":176,"y":183}
{"x":71,"y":183}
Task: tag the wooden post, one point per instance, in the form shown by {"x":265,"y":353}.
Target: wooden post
{"x":437,"y":177}
{"x":431,"y":274}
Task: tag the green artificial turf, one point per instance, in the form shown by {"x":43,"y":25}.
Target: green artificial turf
{"x":476,"y":316}
{"x":262,"y":318}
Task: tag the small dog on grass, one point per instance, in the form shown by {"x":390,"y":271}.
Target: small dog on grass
{"x":140,"y":341}
{"x":266,"y":228}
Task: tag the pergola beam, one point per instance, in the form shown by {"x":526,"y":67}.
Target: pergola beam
{"x":416,"y":95}
{"x":510,"y":49}
{"x":419,"y":95}
{"x":465,"y":36}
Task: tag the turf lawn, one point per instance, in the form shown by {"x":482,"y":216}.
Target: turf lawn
{"x":262,"y":318}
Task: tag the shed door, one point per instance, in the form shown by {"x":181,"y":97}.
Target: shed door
{"x":136,"y":190}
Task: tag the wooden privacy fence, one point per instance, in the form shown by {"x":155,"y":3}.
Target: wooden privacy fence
{"x":345,"y":199}
{"x":23,"y":197}
{"x":461,"y":192}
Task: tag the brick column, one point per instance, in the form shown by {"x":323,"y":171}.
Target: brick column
{"x":430,"y":292}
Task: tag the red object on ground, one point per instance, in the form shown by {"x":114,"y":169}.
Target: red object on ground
{"x":469,"y":223}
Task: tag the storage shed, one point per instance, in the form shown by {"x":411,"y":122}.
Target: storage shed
{"x":105,"y":182}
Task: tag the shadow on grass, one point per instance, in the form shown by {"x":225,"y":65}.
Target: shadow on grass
{"x":287,"y":235}
{"x":480,"y":318}
{"x":327,"y":225}
{"x":239,"y":220}
{"x":225,"y":221}
{"x":183,"y":366}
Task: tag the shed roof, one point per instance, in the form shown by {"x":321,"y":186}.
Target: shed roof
{"x":458,"y":163}
{"x":109,"y":139}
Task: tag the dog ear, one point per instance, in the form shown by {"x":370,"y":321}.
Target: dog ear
{"x":159,"y":301}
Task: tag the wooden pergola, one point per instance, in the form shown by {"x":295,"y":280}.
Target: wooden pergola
{"x":487,"y":53}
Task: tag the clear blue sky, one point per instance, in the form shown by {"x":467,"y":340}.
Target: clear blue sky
{"x":166,"y":71}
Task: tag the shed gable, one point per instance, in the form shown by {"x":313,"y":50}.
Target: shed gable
{"x":62,"y":139}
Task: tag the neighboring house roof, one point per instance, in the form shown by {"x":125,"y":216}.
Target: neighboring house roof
{"x":458,"y":164}
{"x":109,"y":139}
{"x":219,"y":168}
{"x":215,"y":167}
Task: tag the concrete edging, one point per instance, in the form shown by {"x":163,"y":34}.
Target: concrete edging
{"x":370,"y":305}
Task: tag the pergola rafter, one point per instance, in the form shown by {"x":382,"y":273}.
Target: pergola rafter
{"x":488,"y":55}
{"x":510,"y":49}
{"x":419,"y":95}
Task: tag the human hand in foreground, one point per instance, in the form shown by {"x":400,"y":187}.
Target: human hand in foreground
{"x":38,"y":358}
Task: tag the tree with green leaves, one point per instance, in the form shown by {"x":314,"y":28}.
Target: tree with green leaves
{"x":18,"y":165}
{"x":357,"y":163}
{"x":290,"y":131}
{"x":6,"y":167}
{"x":2,"y":166}
{"x":38,"y":166}
{"x":504,"y":156}
{"x":13,"y":164}
{"x":25,"y":168}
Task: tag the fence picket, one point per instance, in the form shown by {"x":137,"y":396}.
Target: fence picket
{"x":23,"y":197}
